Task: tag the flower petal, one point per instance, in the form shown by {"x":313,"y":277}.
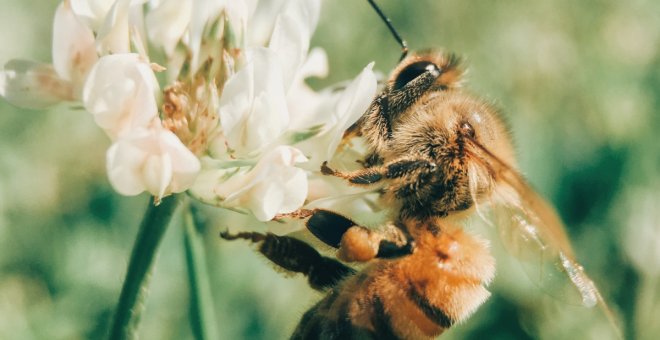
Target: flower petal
{"x":32,"y":85}
{"x":202,"y":13}
{"x":291,"y":34}
{"x":352,"y":104}
{"x":167,"y":23}
{"x":113,"y":36}
{"x":151,"y":160}
{"x":74,"y":51}
{"x":253,"y":110}
{"x":157,"y":173}
{"x":275,"y":185}
{"x":92,"y":12}
{"x":120,"y":92}
{"x":337,"y":114}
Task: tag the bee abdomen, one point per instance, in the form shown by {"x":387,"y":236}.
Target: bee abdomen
{"x":329,"y":320}
{"x":382,"y":321}
{"x":433,"y":313}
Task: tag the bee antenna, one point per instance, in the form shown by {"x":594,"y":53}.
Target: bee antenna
{"x":397,"y":37}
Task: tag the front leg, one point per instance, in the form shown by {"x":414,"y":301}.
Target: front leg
{"x":395,"y":169}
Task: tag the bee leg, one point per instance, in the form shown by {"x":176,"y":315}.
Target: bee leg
{"x":360,"y":244}
{"x":328,"y":226}
{"x":395,"y":169}
{"x":390,"y":250}
{"x":359,"y":177}
{"x":357,"y":243}
{"x":296,"y":214}
{"x":297,"y":256}
{"x":373,"y":159}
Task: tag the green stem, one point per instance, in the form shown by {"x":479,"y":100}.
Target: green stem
{"x":134,"y":291}
{"x":202,"y":314}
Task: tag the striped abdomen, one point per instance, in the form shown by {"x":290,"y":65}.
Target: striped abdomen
{"x":414,"y":297}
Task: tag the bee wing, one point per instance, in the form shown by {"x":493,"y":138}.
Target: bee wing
{"x":531,"y":229}
{"x":532,"y":238}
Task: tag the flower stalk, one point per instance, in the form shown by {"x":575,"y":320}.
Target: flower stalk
{"x":136,"y":282}
{"x":202,"y":314}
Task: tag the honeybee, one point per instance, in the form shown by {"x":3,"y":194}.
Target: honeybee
{"x":436,"y":154}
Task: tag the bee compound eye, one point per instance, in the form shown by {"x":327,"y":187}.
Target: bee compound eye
{"x":414,"y":70}
{"x":467,"y":130}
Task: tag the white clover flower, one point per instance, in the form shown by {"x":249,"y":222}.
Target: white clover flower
{"x":234,"y":95}
{"x":121,"y":94}
{"x":152,"y":160}
{"x":273,"y":186}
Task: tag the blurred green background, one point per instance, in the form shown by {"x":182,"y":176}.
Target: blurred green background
{"x":579,"y":83}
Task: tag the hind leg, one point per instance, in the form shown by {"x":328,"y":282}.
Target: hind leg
{"x":296,"y":256}
{"x":357,"y":243}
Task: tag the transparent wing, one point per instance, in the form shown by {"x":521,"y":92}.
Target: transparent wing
{"x":551,"y":263}
{"x":532,"y":230}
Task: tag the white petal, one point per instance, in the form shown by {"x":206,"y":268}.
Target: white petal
{"x":123,"y":161}
{"x":353,"y":103}
{"x":185,"y":165}
{"x":92,"y":12}
{"x":113,"y":36}
{"x":157,"y":174}
{"x":266,"y":205}
{"x":303,"y":102}
{"x":32,"y":85}
{"x":337,"y":114}
{"x":291,"y":34}
{"x":167,"y":23}
{"x":316,"y":64}
{"x":203,"y":13}
{"x":150,"y":160}
{"x":237,"y":12}
{"x":74,"y":51}
{"x":275,"y":185}
{"x":295,"y":184}
{"x":120,"y":92}
{"x":253,"y":110}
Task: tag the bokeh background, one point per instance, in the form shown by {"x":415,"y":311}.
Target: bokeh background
{"x":579,"y":83}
